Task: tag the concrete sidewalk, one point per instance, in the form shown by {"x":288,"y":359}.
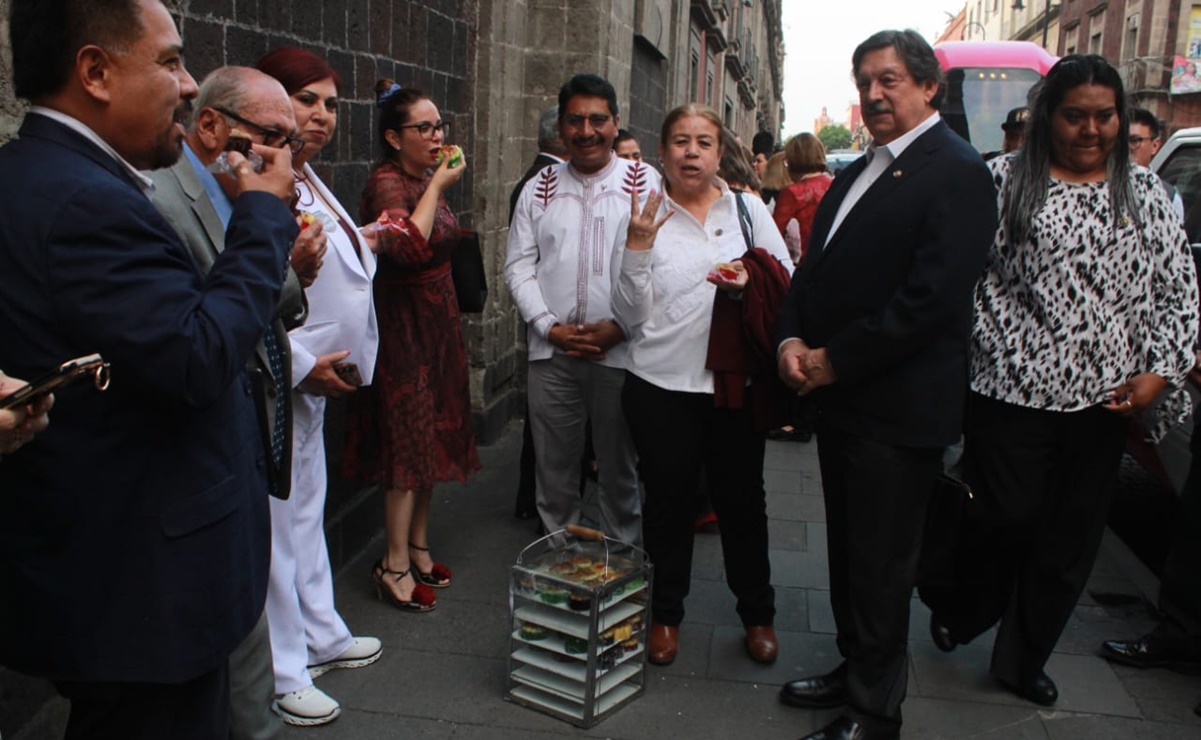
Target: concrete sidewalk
{"x":443,"y":674}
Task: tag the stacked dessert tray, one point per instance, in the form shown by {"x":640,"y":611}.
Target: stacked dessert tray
{"x":578,"y":608}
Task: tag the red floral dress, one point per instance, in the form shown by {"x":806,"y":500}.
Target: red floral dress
{"x":800,"y":200}
{"x":411,"y":428}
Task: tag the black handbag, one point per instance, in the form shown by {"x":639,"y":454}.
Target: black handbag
{"x":467,"y":271}
{"x":948,"y":521}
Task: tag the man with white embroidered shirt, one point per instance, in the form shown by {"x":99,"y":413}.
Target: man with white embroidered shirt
{"x":569,"y":223}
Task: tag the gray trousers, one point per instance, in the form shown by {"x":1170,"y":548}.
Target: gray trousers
{"x":252,"y":688}
{"x":564,"y":394}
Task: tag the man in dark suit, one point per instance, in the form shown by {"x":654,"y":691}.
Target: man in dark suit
{"x":875,"y":327}
{"x":198,"y":203}
{"x":550,"y":151}
{"x":134,"y":538}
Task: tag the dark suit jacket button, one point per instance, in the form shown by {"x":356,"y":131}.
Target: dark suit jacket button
{"x":246,"y":387}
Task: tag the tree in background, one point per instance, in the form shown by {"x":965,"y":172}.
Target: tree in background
{"x":835,"y":136}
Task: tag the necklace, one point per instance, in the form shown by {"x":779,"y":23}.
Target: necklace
{"x":300,"y":193}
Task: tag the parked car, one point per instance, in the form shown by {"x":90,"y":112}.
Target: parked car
{"x":838,"y":160}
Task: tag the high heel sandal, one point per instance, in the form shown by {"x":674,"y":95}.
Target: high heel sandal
{"x":421,"y":600}
{"x":439,"y":575}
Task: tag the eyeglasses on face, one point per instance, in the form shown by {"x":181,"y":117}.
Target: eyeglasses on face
{"x":1137,"y":141}
{"x":426,"y":130}
{"x":596,"y":120}
{"x":271,"y":137}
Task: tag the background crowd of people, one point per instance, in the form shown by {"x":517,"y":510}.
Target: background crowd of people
{"x":1032,"y":305}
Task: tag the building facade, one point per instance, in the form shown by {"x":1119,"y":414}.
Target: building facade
{"x":491,"y":66}
{"x":1156,"y":44}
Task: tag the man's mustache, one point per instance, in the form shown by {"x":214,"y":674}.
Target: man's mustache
{"x":873,"y":108}
{"x":183,"y":111}
{"x":586,"y":141}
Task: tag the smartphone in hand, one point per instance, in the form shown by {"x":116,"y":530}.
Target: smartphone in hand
{"x":349,"y":373}
{"x":71,"y":371}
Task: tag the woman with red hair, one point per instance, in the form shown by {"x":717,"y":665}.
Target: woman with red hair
{"x":332,"y":354}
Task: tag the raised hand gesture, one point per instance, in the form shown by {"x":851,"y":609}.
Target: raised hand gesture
{"x":643,"y":227}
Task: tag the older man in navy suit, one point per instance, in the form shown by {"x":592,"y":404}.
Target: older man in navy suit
{"x":875,"y":327}
{"x":134,"y":538}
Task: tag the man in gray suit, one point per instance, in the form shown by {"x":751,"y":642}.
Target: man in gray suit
{"x":243,"y":102}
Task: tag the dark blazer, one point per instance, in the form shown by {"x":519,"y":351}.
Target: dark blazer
{"x":134,"y":534}
{"x":890,"y":296}
{"x":181,"y":198}
{"x":542,"y":160}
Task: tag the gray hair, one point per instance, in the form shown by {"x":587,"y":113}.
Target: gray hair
{"x":224,"y":87}
{"x":1026,"y":189}
{"x":548,"y":127}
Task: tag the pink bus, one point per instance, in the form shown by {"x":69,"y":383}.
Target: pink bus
{"x":985,"y":80}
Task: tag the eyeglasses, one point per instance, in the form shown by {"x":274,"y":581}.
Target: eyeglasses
{"x":426,"y":130}
{"x":1137,"y":141}
{"x":596,"y":120}
{"x":271,"y":137}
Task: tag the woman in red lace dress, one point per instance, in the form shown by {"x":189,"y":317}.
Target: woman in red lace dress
{"x":412,"y":429}
{"x":806,"y":159}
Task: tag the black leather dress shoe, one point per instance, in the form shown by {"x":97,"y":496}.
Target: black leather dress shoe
{"x":1146,"y":652}
{"x":1041,"y":690}
{"x":941,"y":636}
{"x":817,"y":692}
{"x":845,"y":728}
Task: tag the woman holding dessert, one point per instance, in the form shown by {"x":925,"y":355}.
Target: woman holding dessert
{"x":413,"y":428}
{"x":690,"y":287}
{"x":332,"y":354}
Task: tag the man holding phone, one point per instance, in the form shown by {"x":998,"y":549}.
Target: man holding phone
{"x":134,"y":538}
{"x":19,"y":425}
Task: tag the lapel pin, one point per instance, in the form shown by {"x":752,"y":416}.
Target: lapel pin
{"x":1123,"y":222}
{"x":896,"y":173}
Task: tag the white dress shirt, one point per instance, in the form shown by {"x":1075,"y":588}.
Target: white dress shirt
{"x":663,"y":296}
{"x":879,"y":159}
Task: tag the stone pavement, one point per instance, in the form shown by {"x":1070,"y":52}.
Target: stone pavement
{"x":443,"y":674}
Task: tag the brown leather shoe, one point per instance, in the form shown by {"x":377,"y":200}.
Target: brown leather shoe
{"x":761,"y":643}
{"x":662,"y":644}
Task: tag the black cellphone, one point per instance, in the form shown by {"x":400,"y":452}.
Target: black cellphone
{"x":89,"y":366}
{"x":349,"y":373}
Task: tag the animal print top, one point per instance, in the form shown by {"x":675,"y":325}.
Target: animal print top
{"x":1087,"y":303}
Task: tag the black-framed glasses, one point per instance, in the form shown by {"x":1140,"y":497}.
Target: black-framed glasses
{"x":576,"y":121}
{"x":1137,"y":141}
{"x":426,"y":130}
{"x":271,"y":137}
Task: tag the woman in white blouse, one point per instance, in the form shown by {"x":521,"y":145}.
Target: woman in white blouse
{"x":1086,"y":314}
{"x":680,"y":418}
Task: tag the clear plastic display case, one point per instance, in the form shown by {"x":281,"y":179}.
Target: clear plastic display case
{"x":578,"y":610}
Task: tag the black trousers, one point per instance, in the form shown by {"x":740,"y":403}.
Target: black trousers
{"x":1043,"y":482}
{"x":194,"y":710}
{"x":1180,"y":588}
{"x":876,"y":497}
{"x":676,"y":435}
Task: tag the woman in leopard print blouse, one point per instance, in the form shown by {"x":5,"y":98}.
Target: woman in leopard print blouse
{"x":1085,"y":316}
